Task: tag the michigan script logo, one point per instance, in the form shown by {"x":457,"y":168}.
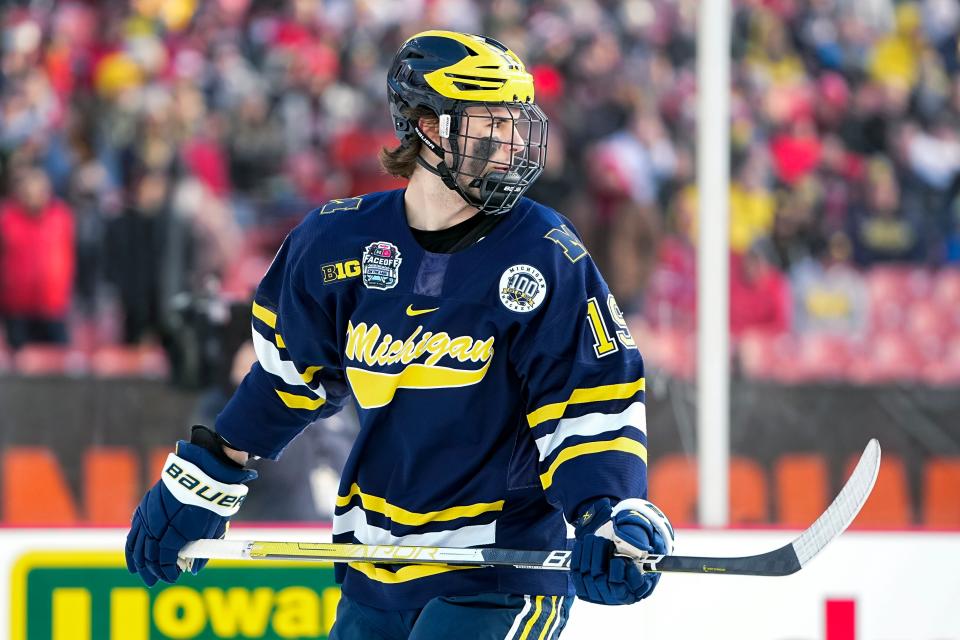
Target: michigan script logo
{"x":421,"y":354}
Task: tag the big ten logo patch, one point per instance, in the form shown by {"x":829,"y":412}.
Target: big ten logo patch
{"x":337,"y":271}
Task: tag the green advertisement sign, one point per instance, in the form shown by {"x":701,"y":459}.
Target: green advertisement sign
{"x":64,"y":595}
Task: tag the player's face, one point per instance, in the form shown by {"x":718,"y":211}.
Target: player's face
{"x":492,"y":140}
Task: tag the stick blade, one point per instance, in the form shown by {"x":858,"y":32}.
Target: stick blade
{"x":794,"y":556}
{"x":844,"y":507}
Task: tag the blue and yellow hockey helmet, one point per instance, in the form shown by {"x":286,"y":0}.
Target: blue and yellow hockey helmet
{"x":463,"y":78}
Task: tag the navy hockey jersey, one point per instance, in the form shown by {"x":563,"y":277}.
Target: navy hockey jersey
{"x":498,"y":389}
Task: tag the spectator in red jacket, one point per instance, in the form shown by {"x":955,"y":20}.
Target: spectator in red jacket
{"x":36,"y":261}
{"x":759,"y":293}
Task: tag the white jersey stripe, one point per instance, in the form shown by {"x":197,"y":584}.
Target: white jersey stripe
{"x":270,"y":360}
{"x":516,"y":621}
{"x":592,"y":424}
{"x":355,"y":521}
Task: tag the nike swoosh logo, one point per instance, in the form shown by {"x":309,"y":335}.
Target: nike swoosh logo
{"x":418,"y":312}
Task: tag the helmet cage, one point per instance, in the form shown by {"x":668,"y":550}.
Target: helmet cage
{"x":474,"y":132}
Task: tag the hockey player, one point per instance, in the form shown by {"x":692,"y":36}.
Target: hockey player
{"x":499,"y":391}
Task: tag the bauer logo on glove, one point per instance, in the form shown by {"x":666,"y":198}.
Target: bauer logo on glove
{"x":184,"y":481}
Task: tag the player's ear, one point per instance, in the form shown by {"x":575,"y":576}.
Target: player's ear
{"x":430,"y":127}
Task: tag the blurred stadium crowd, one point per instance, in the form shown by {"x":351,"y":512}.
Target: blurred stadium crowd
{"x":154,"y":154}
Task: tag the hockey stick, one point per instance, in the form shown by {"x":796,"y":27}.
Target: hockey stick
{"x":780,"y":562}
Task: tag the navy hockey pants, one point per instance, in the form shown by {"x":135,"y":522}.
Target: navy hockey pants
{"x":489,"y":616}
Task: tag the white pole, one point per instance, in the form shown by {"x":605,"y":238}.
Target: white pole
{"x":713,"y":335}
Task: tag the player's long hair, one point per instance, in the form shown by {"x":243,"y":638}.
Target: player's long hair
{"x":401,"y":162}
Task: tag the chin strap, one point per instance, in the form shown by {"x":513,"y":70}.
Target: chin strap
{"x":441,"y":169}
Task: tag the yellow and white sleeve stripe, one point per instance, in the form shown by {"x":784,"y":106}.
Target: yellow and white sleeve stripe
{"x":585,"y":395}
{"x":268,"y":354}
{"x":593,"y":424}
{"x":624,"y":445}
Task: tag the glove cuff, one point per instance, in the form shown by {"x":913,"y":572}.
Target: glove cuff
{"x":213,"y":442}
{"x":190,"y":485}
{"x":591,"y":519}
{"x":652,"y":515}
